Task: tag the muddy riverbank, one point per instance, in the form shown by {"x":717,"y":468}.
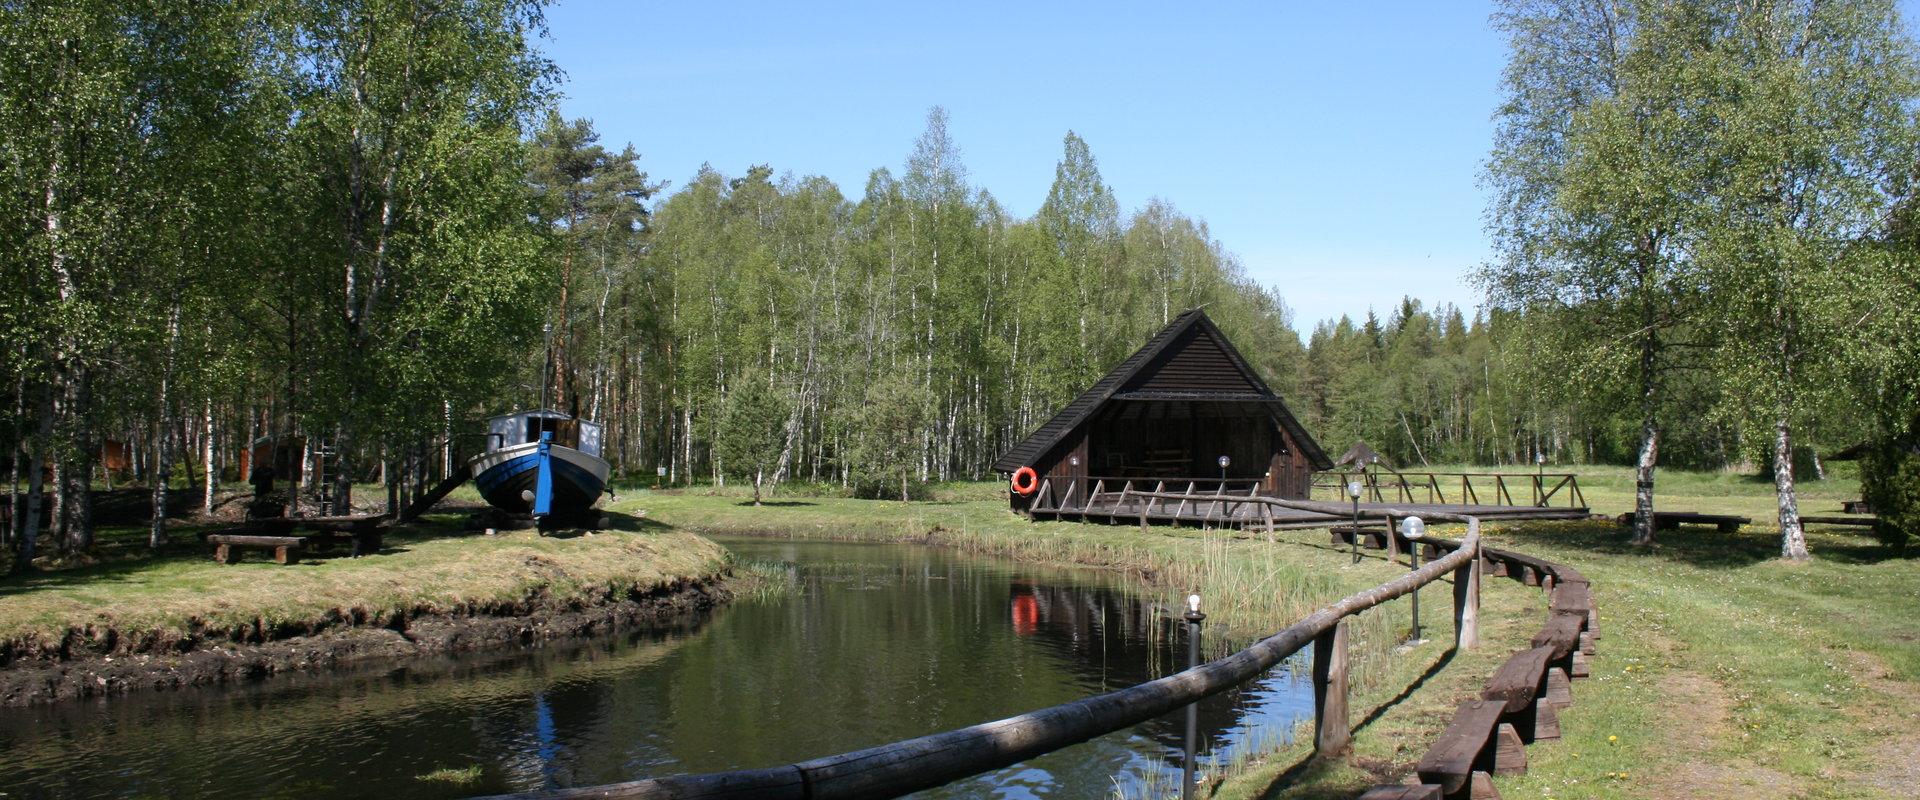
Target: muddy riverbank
{"x":94,"y":664}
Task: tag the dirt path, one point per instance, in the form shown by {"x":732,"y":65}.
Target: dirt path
{"x":1892,"y":720}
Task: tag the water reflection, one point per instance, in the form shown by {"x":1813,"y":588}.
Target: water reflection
{"x":875,"y":643}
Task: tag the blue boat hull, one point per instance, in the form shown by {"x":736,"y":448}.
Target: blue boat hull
{"x":506,"y":479}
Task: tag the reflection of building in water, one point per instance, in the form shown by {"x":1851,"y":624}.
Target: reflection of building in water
{"x":1115,"y":640}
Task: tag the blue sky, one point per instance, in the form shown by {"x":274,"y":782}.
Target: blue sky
{"x":1334,"y":148}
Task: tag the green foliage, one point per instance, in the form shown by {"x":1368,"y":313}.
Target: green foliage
{"x":890,"y":450}
{"x":753,"y":428}
{"x":1890,"y":482}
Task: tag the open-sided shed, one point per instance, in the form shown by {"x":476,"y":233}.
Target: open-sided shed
{"x":1169,"y":412}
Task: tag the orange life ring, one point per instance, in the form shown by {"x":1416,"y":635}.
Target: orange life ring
{"x":1025,"y":480}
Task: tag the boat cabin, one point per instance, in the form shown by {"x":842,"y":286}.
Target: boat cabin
{"x":1184,"y":413}
{"x":523,"y":427}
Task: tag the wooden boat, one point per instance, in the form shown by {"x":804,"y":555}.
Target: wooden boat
{"x":541,"y":462}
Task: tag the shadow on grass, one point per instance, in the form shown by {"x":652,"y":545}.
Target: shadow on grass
{"x":1312,"y":764}
{"x":1702,"y":547}
{"x":120,"y":553}
{"x":777,"y":503}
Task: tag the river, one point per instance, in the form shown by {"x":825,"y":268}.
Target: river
{"x":873,"y":643}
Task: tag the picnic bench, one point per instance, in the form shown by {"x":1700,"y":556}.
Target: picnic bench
{"x":227,"y":547}
{"x":1669,"y":520}
{"x":364,"y":534}
{"x":1863,"y":522}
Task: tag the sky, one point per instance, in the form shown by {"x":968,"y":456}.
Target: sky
{"x":1334,"y":148}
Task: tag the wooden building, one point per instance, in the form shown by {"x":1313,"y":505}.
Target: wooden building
{"x":1163,"y":420}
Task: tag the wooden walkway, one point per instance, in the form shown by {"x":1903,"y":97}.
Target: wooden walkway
{"x":1222,"y":504}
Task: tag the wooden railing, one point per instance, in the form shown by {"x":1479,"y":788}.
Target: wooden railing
{"x":1074,"y":495}
{"x":901,"y":767}
{"x":1540,"y":489}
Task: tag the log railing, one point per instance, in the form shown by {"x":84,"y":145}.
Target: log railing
{"x":907,"y":766}
{"x":1540,"y":489}
{"x":1485,"y":738}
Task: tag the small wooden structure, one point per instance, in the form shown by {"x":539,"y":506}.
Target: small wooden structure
{"x":1362,"y":456}
{"x":285,"y":454}
{"x":1165,"y":418}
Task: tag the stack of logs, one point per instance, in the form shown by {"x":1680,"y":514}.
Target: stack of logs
{"x":1522,"y":702}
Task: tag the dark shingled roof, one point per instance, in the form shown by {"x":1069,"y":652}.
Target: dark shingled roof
{"x":1082,"y":408}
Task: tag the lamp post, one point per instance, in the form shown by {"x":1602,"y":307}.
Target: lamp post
{"x":1415,"y":529}
{"x":1540,"y":478}
{"x":1223,"y":461}
{"x":1194,"y":618}
{"x":1353,"y":491}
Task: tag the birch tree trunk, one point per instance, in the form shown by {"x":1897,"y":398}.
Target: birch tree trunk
{"x":1649,"y":440}
{"x":208,"y":475}
{"x":36,"y":481}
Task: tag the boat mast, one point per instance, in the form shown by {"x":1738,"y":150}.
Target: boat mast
{"x":546,"y":366}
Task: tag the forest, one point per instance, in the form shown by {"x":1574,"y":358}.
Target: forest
{"x":365,"y":223}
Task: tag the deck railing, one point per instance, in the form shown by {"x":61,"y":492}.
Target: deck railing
{"x":1540,"y":489}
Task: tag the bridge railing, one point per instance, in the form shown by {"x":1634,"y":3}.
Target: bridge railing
{"x":1539,"y":489}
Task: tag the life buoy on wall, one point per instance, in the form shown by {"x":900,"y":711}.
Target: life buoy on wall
{"x":1025,"y":480}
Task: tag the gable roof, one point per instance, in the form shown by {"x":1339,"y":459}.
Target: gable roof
{"x":1140,"y":377}
{"x":1363,"y":454}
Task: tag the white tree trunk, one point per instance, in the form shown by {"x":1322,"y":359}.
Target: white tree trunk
{"x":206,"y":458}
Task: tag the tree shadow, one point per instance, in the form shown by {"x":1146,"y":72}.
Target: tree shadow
{"x":1703,"y":547}
{"x":778,"y":503}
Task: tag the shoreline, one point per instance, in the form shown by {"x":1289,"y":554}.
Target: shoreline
{"x":181,"y":621}
{"x":403,"y":637}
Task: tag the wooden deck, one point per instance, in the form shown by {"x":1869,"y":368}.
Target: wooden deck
{"x":1236,"y":504}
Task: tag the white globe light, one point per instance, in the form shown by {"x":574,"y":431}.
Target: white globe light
{"x":1193,"y":603}
{"x":1413,"y":528}
{"x":1353,"y":489}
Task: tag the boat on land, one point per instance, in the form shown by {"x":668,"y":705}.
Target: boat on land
{"x":541,"y":462}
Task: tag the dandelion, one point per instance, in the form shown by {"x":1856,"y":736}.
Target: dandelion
{"x":1613,"y":738}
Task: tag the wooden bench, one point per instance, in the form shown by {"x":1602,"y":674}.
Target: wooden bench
{"x":1475,"y":746}
{"x":1864,"y":522}
{"x":227,"y":547}
{"x":1521,"y":684}
{"x":1372,"y":538}
{"x":1669,"y":520}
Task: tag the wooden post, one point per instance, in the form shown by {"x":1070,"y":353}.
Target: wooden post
{"x":1466,"y":604}
{"x":1332,"y":731}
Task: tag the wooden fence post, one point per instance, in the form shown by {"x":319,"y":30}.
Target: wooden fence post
{"x":1332,"y":730}
{"x":1466,"y":603}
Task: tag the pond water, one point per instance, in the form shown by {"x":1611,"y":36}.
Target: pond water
{"x":874,"y":643}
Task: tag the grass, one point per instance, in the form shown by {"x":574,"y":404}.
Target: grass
{"x":1722,"y":671}
{"x":130,"y":600}
{"x":464,"y":776}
